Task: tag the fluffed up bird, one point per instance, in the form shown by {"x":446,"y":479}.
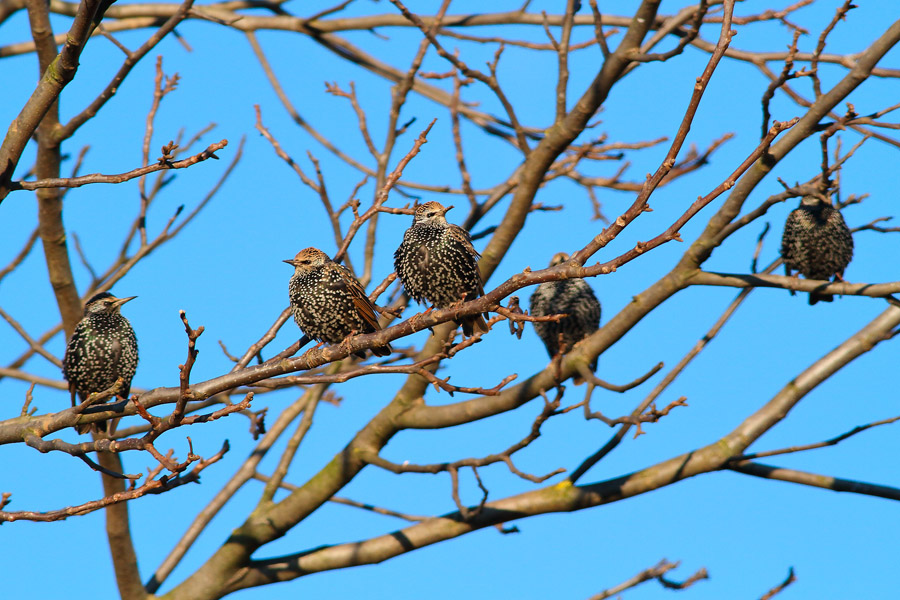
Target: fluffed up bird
{"x":816,"y":242}
{"x":328,"y":302}
{"x":572,"y":297}
{"x":103,"y":348}
{"x":438,"y":263}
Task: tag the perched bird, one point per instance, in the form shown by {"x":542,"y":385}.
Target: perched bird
{"x":816,"y":242}
{"x":328,"y":302}
{"x":438,"y":263}
{"x":572,"y":297}
{"x":102,"y":349}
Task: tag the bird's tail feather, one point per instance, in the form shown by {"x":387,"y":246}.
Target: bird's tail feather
{"x":473,"y":323}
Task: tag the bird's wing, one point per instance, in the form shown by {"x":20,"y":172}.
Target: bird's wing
{"x":593,"y":306}
{"x":479,"y":288}
{"x":463,"y":236}
{"x":361,"y":302}
{"x":789,"y":239}
{"x":844,"y":232}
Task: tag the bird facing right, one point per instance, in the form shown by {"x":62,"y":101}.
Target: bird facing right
{"x":102,"y":349}
{"x":576,"y":299}
{"x":328,"y":302}
{"x":816,"y":242}
{"x":437,"y":262}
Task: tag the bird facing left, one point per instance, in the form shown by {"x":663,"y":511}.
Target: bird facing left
{"x":328,"y":302}
{"x":102,"y":349}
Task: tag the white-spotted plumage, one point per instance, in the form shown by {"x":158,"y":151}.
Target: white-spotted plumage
{"x":328,"y":302}
{"x":438,"y":263}
{"x":816,"y":242}
{"x":572,"y":297}
{"x":102,"y":349}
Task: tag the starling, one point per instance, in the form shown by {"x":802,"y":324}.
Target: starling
{"x":437,"y":263}
{"x":816,"y":242}
{"x":328,"y":302}
{"x":572,"y":297}
{"x":102,"y":349}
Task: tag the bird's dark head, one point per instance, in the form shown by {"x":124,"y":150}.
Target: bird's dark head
{"x":559,"y":258}
{"x":308,"y":259}
{"x":430,"y":212}
{"x":105,"y":303}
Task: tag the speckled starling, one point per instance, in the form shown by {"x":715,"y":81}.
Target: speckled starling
{"x":573,"y":297}
{"x":438,"y":263}
{"x":328,"y":302}
{"x":103,"y":348}
{"x":816,"y":242}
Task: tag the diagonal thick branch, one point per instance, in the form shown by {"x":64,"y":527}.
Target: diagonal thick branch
{"x":565,"y":496}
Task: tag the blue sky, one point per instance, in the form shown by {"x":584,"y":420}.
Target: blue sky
{"x":225,"y":270}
